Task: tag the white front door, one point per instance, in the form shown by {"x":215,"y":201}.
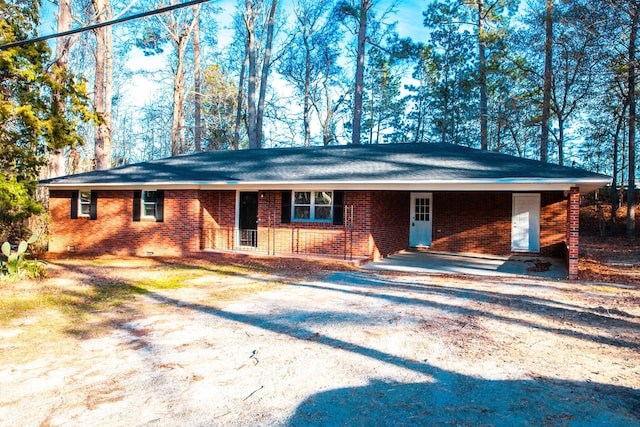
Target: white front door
{"x":525,"y":223}
{"x":421,"y":216}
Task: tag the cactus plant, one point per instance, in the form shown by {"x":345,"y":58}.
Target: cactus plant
{"x":15,"y":263}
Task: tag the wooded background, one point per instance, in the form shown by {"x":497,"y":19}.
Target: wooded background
{"x":543,"y":79}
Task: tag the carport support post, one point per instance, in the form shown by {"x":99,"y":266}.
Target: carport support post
{"x":573,"y":232}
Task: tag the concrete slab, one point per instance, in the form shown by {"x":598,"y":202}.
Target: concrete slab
{"x":471,"y":264}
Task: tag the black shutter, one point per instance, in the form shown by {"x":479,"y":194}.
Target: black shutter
{"x":160,"y":206}
{"x":338,"y":208}
{"x":74,"y":204}
{"x":285,"y":214}
{"x":93,"y":209}
{"x":137,"y":196}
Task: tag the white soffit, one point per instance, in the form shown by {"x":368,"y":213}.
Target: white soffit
{"x":477,"y":185}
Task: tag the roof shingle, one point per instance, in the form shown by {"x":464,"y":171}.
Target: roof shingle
{"x":395,"y":163}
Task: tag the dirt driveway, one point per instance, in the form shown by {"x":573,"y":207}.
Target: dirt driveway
{"x":339,"y":348}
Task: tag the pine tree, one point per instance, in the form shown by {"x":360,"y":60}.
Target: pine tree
{"x":31,"y":125}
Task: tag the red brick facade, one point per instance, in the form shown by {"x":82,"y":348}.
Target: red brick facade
{"x":376,"y":225}
{"x":114,"y":231}
{"x":218,"y":212}
{"x":472,"y":222}
{"x":573,"y":232}
{"x":478,"y":222}
{"x":389,"y":222}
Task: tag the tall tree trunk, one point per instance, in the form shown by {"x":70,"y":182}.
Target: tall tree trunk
{"x":371,"y":116}
{"x":359,"y":87}
{"x":240,"y":98}
{"x":102,"y":86}
{"x":445,"y":117}
{"x":560,"y":139}
{"x":177,"y":145}
{"x":306,"y":113}
{"x":631,"y":87}
{"x":266,"y":65}
{"x":197,"y":81}
{"x":250,"y":22}
{"x":546,"y":91}
{"x":57,"y":160}
{"x":615,"y":200}
{"x":482,"y":76}
{"x":327,"y":135}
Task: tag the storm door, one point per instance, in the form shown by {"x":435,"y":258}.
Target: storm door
{"x":421,"y":220}
{"x":248,"y":219}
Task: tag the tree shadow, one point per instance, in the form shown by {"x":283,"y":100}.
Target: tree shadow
{"x":450,"y":398}
{"x":562,"y":313}
{"x":460,"y":400}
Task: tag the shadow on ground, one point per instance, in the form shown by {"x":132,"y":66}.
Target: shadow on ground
{"x":450,"y":398}
{"x":455,"y":399}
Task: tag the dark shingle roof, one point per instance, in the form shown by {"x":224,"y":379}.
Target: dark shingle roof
{"x":393,"y":163}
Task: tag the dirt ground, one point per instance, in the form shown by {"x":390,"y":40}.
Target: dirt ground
{"x":258,"y":341}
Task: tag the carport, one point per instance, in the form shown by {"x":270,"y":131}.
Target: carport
{"x":428,"y":262}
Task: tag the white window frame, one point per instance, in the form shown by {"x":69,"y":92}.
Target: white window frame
{"x":86,"y":203}
{"x":144,"y":202}
{"x":312,"y":206}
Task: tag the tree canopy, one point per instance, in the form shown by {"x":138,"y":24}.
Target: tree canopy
{"x":544,"y":79}
{"x":31,"y":124}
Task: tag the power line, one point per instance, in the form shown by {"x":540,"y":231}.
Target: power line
{"x":103,"y":24}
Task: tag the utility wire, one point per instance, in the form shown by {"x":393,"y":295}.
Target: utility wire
{"x":103,"y":24}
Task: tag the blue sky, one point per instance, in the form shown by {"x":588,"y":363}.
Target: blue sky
{"x":409,"y":18}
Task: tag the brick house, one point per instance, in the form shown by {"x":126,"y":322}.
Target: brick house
{"x":344,"y":201}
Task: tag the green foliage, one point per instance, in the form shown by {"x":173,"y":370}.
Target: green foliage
{"x":16,"y":202}
{"x":219,"y":103}
{"x":15,"y":265}
{"x":41,"y":106}
{"x":151,"y":42}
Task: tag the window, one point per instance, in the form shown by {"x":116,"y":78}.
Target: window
{"x":84,"y":203}
{"x":312,"y":205}
{"x":149,"y":204}
{"x":422,"y":209}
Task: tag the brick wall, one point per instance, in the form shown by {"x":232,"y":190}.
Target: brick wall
{"x":389,"y":222}
{"x":321,"y":238}
{"x":358,"y":223}
{"x":553,"y":214}
{"x":573,"y":232}
{"x":376,"y":224}
{"x":472,"y":222}
{"x":481,"y":222}
{"x":114,"y":230}
{"x":218,"y":211}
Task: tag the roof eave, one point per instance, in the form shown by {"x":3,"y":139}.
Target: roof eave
{"x":586,"y":185}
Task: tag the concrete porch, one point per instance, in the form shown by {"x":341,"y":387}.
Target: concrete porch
{"x":471,"y":264}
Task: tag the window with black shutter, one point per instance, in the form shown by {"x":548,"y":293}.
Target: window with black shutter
{"x":74,"y":204}
{"x":285,"y":213}
{"x":137,"y":196}
{"x":160,"y":206}
{"x":93,"y":205}
{"x":148,"y":205}
{"x":338,"y":208}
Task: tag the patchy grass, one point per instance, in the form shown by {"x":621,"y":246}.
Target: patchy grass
{"x":219,"y":297}
{"x":90,"y":297}
{"x":30,"y":298}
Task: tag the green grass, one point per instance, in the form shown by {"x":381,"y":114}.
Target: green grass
{"x":90,"y":298}
{"x":24,"y":298}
